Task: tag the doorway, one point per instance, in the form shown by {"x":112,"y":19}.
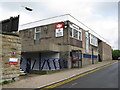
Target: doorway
{"x":76,"y":58}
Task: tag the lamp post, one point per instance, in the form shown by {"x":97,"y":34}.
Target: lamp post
{"x":27,"y":8}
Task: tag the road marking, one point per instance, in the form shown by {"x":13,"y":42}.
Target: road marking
{"x":74,"y":84}
{"x":75,"y":77}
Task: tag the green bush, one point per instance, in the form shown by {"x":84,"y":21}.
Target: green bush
{"x":6,"y":82}
{"x":115,"y":54}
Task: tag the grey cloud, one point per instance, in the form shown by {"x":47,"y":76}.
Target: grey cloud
{"x":106,"y":8}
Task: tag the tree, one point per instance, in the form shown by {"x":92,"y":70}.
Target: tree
{"x":115,"y":54}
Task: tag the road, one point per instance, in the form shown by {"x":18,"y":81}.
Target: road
{"x":104,"y":78}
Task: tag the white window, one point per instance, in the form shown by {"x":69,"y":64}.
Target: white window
{"x":71,"y":32}
{"x":75,"y":33}
{"x":37,"y":33}
{"x":93,"y":40}
{"x":79,"y":36}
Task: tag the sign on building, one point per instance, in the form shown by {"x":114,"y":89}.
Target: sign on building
{"x":13,"y":61}
{"x":93,"y":40}
{"x":59,"y":30}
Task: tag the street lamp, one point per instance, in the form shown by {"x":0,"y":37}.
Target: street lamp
{"x":27,"y":8}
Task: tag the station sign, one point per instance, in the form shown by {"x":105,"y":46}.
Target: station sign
{"x":59,"y":29}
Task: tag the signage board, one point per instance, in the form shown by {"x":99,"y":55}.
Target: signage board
{"x":59,"y":30}
{"x":13,"y":61}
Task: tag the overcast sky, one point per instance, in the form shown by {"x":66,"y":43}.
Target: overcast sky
{"x":100,"y":16}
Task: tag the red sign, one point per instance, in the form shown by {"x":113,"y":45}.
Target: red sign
{"x":13,"y":63}
{"x":59,"y":29}
{"x":75,"y":60}
{"x":59,"y":25}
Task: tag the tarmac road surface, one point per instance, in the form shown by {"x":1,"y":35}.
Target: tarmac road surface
{"x":106,"y":77}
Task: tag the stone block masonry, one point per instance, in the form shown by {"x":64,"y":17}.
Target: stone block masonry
{"x":11,"y":48}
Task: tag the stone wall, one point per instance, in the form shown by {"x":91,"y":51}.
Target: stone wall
{"x":105,"y":51}
{"x":11,"y":48}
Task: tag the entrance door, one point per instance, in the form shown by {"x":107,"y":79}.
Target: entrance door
{"x":76,"y":56}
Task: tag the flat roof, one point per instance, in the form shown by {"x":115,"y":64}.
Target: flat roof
{"x":61,"y":18}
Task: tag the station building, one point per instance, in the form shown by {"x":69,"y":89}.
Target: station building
{"x":61,"y":42}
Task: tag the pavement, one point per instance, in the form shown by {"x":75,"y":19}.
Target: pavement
{"x":38,"y":81}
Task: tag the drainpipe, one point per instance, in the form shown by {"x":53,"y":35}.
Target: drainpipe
{"x":92,"y":56}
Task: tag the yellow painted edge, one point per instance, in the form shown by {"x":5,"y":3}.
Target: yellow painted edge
{"x":75,"y":77}
{"x":22,"y":74}
{"x":74,"y":84}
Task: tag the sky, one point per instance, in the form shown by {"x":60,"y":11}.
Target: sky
{"x":99,"y":15}
{"x":119,"y":25}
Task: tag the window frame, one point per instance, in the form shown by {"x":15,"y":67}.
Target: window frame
{"x":37,"y":32}
{"x":93,"y":40}
{"x":71,"y":32}
{"x":73,"y":29}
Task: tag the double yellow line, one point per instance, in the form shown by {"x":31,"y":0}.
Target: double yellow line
{"x":73,"y":78}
